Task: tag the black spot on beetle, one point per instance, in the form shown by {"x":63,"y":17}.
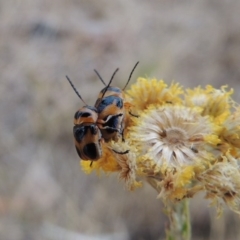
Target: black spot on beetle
{"x":113,"y":122}
{"x":93,"y":129}
{"x":90,"y":150}
{"x":86,"y":114}
{"x":109,"y":101}
{"x":79,"y":133}
{"x":77,"y":115}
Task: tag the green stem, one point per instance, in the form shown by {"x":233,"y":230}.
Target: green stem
{"x":179,"y":221}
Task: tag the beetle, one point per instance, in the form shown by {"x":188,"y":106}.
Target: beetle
{"x":87,"y":136}
{"x":111,"y":110}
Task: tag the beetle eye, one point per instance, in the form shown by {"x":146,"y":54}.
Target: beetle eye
{"x":93,"y":129}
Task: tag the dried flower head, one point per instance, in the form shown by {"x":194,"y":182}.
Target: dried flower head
{"x":127,"y":163}
{"x":213,"y":102}
{"x":181,"y":146}
{"x":172,"y":135}
{"x":222,"y":183}
{"x":231,"y":131}
{"x":151,"y":91}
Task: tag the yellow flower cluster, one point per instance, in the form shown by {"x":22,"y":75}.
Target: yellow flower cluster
{"x":180,"y":141}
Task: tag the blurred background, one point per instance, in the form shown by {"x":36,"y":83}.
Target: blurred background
{"x":43,"y":192}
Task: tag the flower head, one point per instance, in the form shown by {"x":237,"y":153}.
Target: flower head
{"x":172,"y":135}
{"x":127,"y":163}
{"x":222,"y":183}
{"x":181,"y":146}
{"x":212,"y":102}
{"x":151,"y":91}
{"x":231,"y":131}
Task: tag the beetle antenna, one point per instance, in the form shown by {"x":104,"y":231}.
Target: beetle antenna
{"x":99,"y":77}
{"x":75,"y":90}
{"x":106,"y":88}
{"x":131,"y":75}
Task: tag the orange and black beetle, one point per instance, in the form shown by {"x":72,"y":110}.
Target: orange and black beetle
{"x":111,"y":111}
{"x":87,"y":136}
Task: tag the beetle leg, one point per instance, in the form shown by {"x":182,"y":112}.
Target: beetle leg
{"x":123,"y":139}
{"x":134,"y":115}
